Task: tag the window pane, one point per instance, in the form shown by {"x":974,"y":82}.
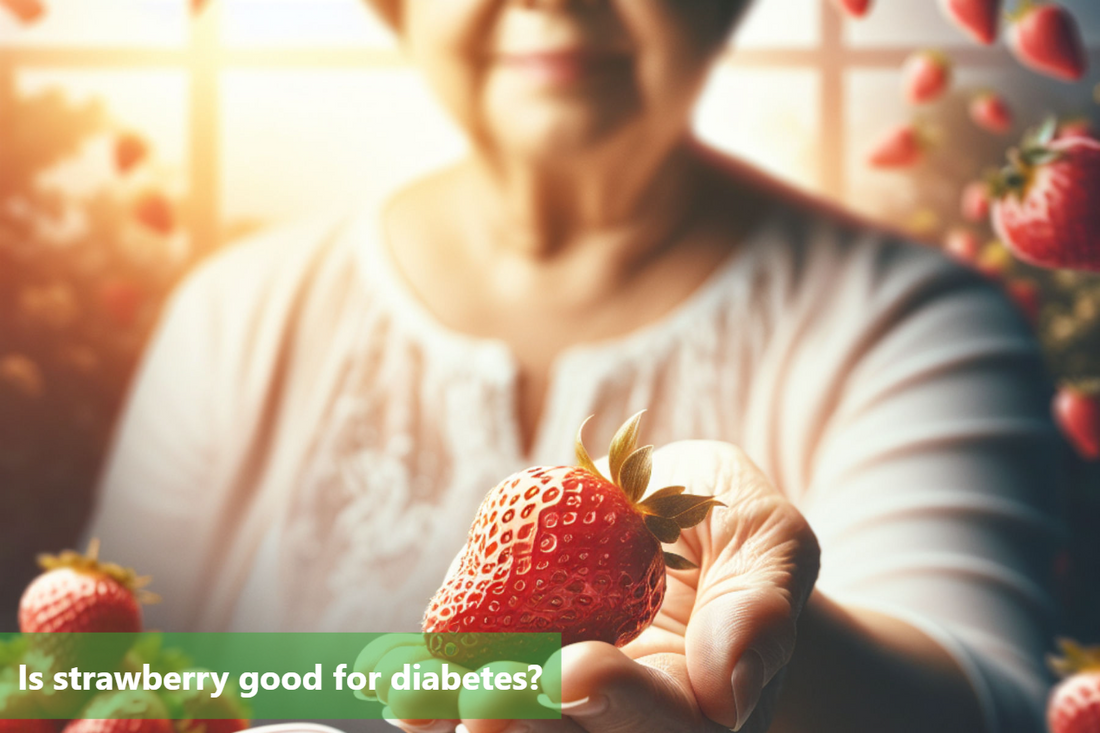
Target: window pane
{"x":359,"y":133}
{"x":767,"y":116}
{"x":101,"y":23}
{"x":781,"y":23}
{"x":250,"y":23}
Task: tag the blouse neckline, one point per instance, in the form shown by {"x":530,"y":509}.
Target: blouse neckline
{"x":493,"y":358}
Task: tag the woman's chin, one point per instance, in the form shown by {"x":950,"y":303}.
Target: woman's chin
{"x":536,"y":135}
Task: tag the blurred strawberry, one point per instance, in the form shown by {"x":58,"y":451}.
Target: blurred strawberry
{"x":1044,"y":201}
{"x":122,"y":300}
{"x":21,"y":374}
{"x":963,"y":244}
{"x":1027,"y":296}
{"x":854,"y":8}
{"x":197,"y":6}
{"x":1077,"y":412}
{"x":130,"y":149}
{"x":991,"y":112}
{"x":975,"y":202}
{"x":155,"y":211}
{"x":1074,"y":705}
{"x":978,"y":18}
{"x":1075,"y":127}
{"x":129,"y":711}
{"x":27,"y":11}
{"x":27,"y":726}
{"x":925,"y":77}
{"x":1045,"y":37}
{"x":902,"y":146}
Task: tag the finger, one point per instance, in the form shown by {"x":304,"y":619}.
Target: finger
{"x":605,"y":691}
{"x":368,"y":658}
{"x":496,"y":709}
{"x":419,"y":726}
{"x":394,"y":661}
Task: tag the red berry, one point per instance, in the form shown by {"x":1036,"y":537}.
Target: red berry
{"x":1080,"y":127}
{"x":925,"y":77}
{"x":978,"y":18}
{"x":899,"y":147}
{"x":153,"y":210}
{"x":1046,"y":209}
{"x":564,"y":550}
{"x":26,"y":11}
{"x":27,"y":726}
{"x":1078,"y":415}
{"x":130,"y":150}
{"x":1046,"y":38}
{"x":975,"y":202}
{"x":991,"y":112}
{"x":854,"y":8}
{"x":963,"y":244}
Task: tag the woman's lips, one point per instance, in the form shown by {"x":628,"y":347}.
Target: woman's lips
{"x":559,"y":68}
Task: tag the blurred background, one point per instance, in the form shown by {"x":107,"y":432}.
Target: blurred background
{"x":138,"y":136}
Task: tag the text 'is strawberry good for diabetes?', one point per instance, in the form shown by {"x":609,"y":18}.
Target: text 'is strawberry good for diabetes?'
{"x":564,"y":549}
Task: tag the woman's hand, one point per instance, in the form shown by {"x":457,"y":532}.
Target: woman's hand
{"x":713,"y":657}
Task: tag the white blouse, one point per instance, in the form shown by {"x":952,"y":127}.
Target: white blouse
{"x":306,"y":446}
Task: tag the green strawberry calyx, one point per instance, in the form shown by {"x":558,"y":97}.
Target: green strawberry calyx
{"x":665,"y":512}
{"x":1075,"y":659}
{"x":1033,"y":152}
{"x":90,"y":564}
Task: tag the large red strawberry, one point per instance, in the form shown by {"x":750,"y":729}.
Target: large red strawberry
{"x":978,"y":18}
{"x":1077,"y":412}
{"x":1045,"y":37}
{"x":27,"y":11}
{"x":899,"y":147}
{"x":1074,"y":705}
{"x":991,"y":112}
{"x":129,"y":711}
{"x":854,"y":8}
{"x":566,"y":550}
{"x":925,"y":76}
{"x":1044,"y":206}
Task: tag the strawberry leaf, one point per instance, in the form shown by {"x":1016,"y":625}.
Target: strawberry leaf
{"x":665,"y":530}
{"x":623,"y":444}
{"x":674,"y":561}
{"x":635,"y":472}
{"x":583,"y":459}
{"x":662,"y":493}
{"x":687,"y":510}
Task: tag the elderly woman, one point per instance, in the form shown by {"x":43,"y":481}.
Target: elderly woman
{"x":325,"y":405}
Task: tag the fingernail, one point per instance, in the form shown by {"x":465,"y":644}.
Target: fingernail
{"x":586,"y":707}
{"x":748,"y":682}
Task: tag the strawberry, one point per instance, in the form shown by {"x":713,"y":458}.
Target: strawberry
{"x":900,"y":147}
{"x":963,"y":244}
{"x":1027,"y":297}
{"x":202,"y":714}
{"x":854,"y":8}
{"x":1077,"y":412}
{"x":1074,"y":705}
{"x":978,"y":18}
{"x":77,"y":594}
{"x":130,"y":149}
{"x":128,"y":711}
{"x":1046,"y":38}
{"x":925,"y":76}
{"x":991,"y":112}
{"x":26,"y":11}
{"x":564,"y":549}
{"x":1044,"y":205}
{"x":975,"y":202}
{"x":154,"y":211}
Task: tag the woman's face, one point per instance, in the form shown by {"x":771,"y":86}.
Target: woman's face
{"x":542,"y":78}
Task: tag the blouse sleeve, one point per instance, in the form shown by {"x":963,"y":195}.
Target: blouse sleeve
{"x":934,"y":485}
{"x":154,"y":505}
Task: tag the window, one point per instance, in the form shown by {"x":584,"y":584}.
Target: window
{"x":263,"y":109}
